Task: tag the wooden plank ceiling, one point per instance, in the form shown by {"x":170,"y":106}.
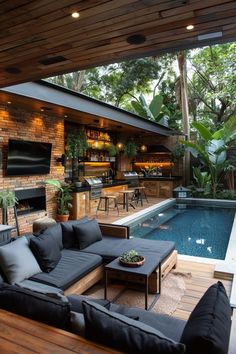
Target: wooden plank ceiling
{"x":39,"y":38}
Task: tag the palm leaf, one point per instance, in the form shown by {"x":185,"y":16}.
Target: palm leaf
{"x":203,"y":131}
{"x":156,"y":105}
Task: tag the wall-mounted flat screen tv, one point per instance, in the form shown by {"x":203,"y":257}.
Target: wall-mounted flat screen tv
{"x":28,"y":158}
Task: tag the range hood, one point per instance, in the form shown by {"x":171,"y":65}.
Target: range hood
{"x":158,"y":149}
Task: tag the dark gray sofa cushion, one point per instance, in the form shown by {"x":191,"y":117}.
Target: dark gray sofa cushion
{"x":171,"y":327}
{"x":111,"y":247}
{"x":125,"y":334}
{"x":76,"y":302}
{"x":54,"y":231}
{"x":87,"y":233}
{"x":72,"y":266}
{"x":68,"y":236}
{"x":46,"y":251}
{"x":36,"y":306}
{"x":208,"y":327}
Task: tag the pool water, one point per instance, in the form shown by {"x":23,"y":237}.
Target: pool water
{"x":197,"y":231}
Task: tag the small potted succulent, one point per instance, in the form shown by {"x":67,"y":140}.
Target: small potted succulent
{"x":131,"y":259}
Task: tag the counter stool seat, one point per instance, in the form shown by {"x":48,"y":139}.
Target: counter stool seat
{"x":106,"y":199}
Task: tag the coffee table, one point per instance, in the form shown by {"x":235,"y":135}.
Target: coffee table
{"x":150,"y":265}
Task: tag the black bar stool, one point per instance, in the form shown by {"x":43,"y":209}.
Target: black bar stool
{"x":139,"y":195}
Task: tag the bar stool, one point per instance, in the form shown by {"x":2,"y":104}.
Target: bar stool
{"x":106,"y":200}
{"x":126,"y":201}
{"x":139,"y":195}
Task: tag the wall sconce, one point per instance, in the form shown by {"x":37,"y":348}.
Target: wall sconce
{"x":62,"y":159}
{"x":120,"y":146}
{"x":143,"y":148}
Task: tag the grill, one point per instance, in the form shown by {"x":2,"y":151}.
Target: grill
{"x":131,"y":177}
{"x":96,"y":185}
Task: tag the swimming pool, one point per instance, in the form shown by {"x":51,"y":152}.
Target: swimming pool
{"x":198,"y":230}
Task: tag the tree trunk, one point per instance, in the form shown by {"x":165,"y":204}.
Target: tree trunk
{"x":78,"y":78}
{"x":181,"y":57}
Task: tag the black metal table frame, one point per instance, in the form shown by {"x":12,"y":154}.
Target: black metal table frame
{"x":125,"y":271}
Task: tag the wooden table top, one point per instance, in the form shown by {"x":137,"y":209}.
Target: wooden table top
{"x":20,"y":335}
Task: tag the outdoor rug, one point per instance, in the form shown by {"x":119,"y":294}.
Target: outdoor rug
{"x":173,"y":289}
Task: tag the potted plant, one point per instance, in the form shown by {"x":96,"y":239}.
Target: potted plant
{"x":130,"y":148}
{"x":63,"y":198}
{"x":112,"y":152}
{"x":76,"y":147}
{"x":131,"y":259}
{"x":7,"y":200}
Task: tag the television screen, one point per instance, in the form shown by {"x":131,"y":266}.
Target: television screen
{"x":28,"y":158}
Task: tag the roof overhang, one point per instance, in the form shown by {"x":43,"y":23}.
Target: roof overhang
{"x":62,"y":100}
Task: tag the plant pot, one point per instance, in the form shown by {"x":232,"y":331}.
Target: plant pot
{"x":62,"y":218}
{"x":132,"y":264}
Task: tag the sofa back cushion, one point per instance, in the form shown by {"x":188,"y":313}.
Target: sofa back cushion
{"x":17,"y":262}
{"x":46,"y":250}
{"x":125,"y":334}
{"x":56,"y":232}
{"x":68,"y":236}
{"x":208,"y":327}
{"x":36,"y":306}
{"x":87,"y":233}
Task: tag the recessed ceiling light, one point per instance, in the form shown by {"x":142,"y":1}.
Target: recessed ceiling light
{"x":75,"y":14}
{"x":8,"y":102}
{"x":65,"y":116}
{"x":190,"y":27}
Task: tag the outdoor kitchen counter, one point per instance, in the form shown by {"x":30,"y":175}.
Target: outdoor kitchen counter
{"x":160,"y":186}
{"x":83,"y":204}
{"x":115,"y":183}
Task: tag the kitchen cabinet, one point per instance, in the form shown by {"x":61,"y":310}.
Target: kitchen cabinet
{"x":80,"y":205}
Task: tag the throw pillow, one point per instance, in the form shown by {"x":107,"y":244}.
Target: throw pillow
{"x":122,"y":333}
{"x":36,"y":306}
{"x":76,"y":302}
{"x":56,"y":232}
{"x":68,"y":236}
{"x":46,"y":251}
{"x":77,"y":323}
{"x":87,"y":233}
{"x":208,"y":327}
{"x":17,"y":261}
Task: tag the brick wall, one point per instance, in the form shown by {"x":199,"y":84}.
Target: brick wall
{"x":18,"y":123}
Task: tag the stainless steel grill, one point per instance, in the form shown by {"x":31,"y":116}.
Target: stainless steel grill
{"x":96,"y":185}
{"x":131,"y":177}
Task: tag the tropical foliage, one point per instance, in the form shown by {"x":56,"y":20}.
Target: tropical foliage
{"x":154,"y":111}
{"x":211,"y":150}
{"x":130,"y":148}
{"x":64,"y":196}
{"x":212,"y":85}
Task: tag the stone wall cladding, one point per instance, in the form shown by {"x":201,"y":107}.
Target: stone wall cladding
{"x":18,"y":123}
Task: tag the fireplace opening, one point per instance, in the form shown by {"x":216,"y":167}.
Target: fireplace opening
{"x":30,"y":200}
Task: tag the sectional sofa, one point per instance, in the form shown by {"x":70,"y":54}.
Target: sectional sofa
{"x":129,"y":330}
{"x":71,"y":255}
{"x":39,"y":275}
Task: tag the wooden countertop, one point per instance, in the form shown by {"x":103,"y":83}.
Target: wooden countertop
{"x":22,"y":336}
